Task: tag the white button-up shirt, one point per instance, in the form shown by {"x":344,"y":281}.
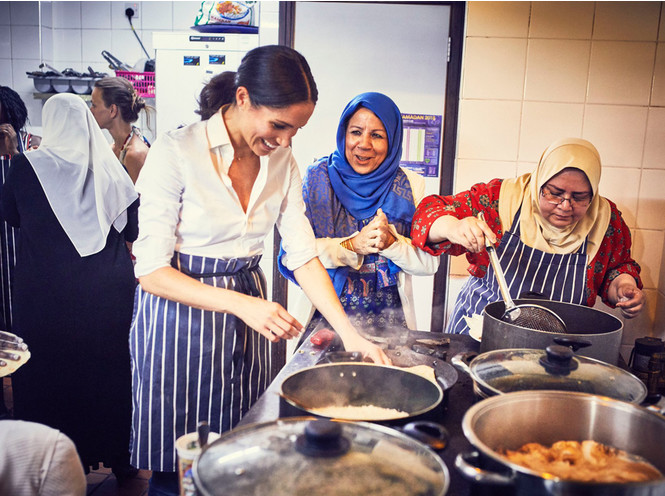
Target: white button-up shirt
{"x":187,"y":207}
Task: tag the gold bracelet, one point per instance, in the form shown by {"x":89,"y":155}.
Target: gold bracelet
{"x":347,"y":244}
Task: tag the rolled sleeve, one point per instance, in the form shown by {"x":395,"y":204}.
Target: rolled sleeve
{"x":293,"y":225}
{"x":160,"y":186}
{"x":410,"y":259}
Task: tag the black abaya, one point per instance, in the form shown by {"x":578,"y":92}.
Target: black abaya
{"x":74,"y":313}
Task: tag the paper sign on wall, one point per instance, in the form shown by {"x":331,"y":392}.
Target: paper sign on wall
{"x":421,"y":143}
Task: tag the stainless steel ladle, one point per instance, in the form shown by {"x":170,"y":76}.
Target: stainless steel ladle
{"x":526,"y":315}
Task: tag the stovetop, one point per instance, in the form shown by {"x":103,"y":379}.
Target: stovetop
{"x":460,"y":398}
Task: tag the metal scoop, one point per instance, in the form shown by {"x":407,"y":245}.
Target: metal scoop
{"x":526,"y":314}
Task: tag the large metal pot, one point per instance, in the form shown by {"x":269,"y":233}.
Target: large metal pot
{"x":511,"y":420}
{"x":302,"y":456}
{"x":360,"y":384}
{"x":603,"y":330}
{"x":555,"y":368}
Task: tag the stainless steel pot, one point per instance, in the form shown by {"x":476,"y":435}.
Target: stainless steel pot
{"x":302,"y":456}
{"x":603,"y":330}
{"x":511,"y":420}
{"x":555,"y":368}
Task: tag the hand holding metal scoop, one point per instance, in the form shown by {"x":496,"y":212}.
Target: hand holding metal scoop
{"x":526,"y":314}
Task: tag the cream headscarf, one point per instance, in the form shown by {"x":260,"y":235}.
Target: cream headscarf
{"x":524,"y":191}
{"x":83,"y":180}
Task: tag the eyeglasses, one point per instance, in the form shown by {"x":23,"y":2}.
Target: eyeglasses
{"x":575,"y":200}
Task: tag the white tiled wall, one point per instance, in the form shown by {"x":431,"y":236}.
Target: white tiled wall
{"x":534,"y":72}
{"x":73,"y":34}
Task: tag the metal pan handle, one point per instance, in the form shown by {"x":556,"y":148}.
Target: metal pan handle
{"x":466,"y":463}
{"x":429,"y":433}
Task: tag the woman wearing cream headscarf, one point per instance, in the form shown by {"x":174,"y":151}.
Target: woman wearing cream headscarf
{"x":75,"y":209}
{"x":554,"y":235}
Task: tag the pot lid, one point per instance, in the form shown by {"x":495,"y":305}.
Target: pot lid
{"x":306,"y":456}
{"x":556,"y":368}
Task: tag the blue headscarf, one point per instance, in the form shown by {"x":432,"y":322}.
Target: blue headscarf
{"x":363,"y":194}
{"x":332,"y":180}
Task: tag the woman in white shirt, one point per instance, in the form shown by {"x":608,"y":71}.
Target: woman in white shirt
{"x":210,"y":194}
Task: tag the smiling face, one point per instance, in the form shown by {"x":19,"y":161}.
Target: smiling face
{"x":366,"y":141}
{"x":265,"y":128}
{"x":570,"y":183}
{"x":102,"y":114}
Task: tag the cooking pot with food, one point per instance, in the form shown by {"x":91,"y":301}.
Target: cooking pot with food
{"x":601,"y":329}
{"x":365,"y":392}
{"x":318,"y":457}
{"x":510,"y":421}
{"x":555,"y":368}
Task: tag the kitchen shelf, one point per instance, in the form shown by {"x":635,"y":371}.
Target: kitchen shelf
{"x":46,"y":96}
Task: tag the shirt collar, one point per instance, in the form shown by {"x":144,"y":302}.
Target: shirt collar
{"x":217,"y":134}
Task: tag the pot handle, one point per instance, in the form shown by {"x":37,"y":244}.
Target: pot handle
{"x":572,"y":342}
{"x":461,"y":360}
{"x":429,"y":433}
{"x":466,"y":464}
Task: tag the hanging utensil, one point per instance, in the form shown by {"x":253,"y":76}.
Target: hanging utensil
{"x":115,"y":63}
{"x":51,"y":68}
{"x":526,"y":315}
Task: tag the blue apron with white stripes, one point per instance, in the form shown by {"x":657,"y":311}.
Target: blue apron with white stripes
{"x":558,"y":277}
{"x":190,"y":365}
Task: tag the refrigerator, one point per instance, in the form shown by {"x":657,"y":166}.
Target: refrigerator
{"x":185,"y":62}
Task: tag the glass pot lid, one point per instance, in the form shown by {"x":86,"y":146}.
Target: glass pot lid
{"x":557,"y":368}
{"x":311,"y":457}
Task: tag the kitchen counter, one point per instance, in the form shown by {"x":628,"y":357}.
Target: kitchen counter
{"x":459,"y":398}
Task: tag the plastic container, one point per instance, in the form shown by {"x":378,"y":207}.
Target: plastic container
{"x":143,"y":82}
{"x":61,"y":84}
{"x":82,"y":86}
{"x":42,"y":83}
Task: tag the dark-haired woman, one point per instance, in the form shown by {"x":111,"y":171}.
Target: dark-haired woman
{"x":210,"y":194}
{"x":116,"y":106}
{"x":14,"y":139}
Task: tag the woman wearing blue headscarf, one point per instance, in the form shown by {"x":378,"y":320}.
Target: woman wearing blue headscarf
{"x":360,"y":204}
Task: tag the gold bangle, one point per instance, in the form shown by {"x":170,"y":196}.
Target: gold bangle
{"x":347,"y":244}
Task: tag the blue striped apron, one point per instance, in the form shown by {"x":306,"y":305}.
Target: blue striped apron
{"x":558,"y":277}
{"x":190,"y":365}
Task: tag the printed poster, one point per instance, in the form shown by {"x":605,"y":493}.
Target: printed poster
{"x":421,"y":143}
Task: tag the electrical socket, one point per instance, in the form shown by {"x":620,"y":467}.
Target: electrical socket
{"x":134,"y":6}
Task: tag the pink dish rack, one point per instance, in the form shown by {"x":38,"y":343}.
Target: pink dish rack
{"x":143,"y":82}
